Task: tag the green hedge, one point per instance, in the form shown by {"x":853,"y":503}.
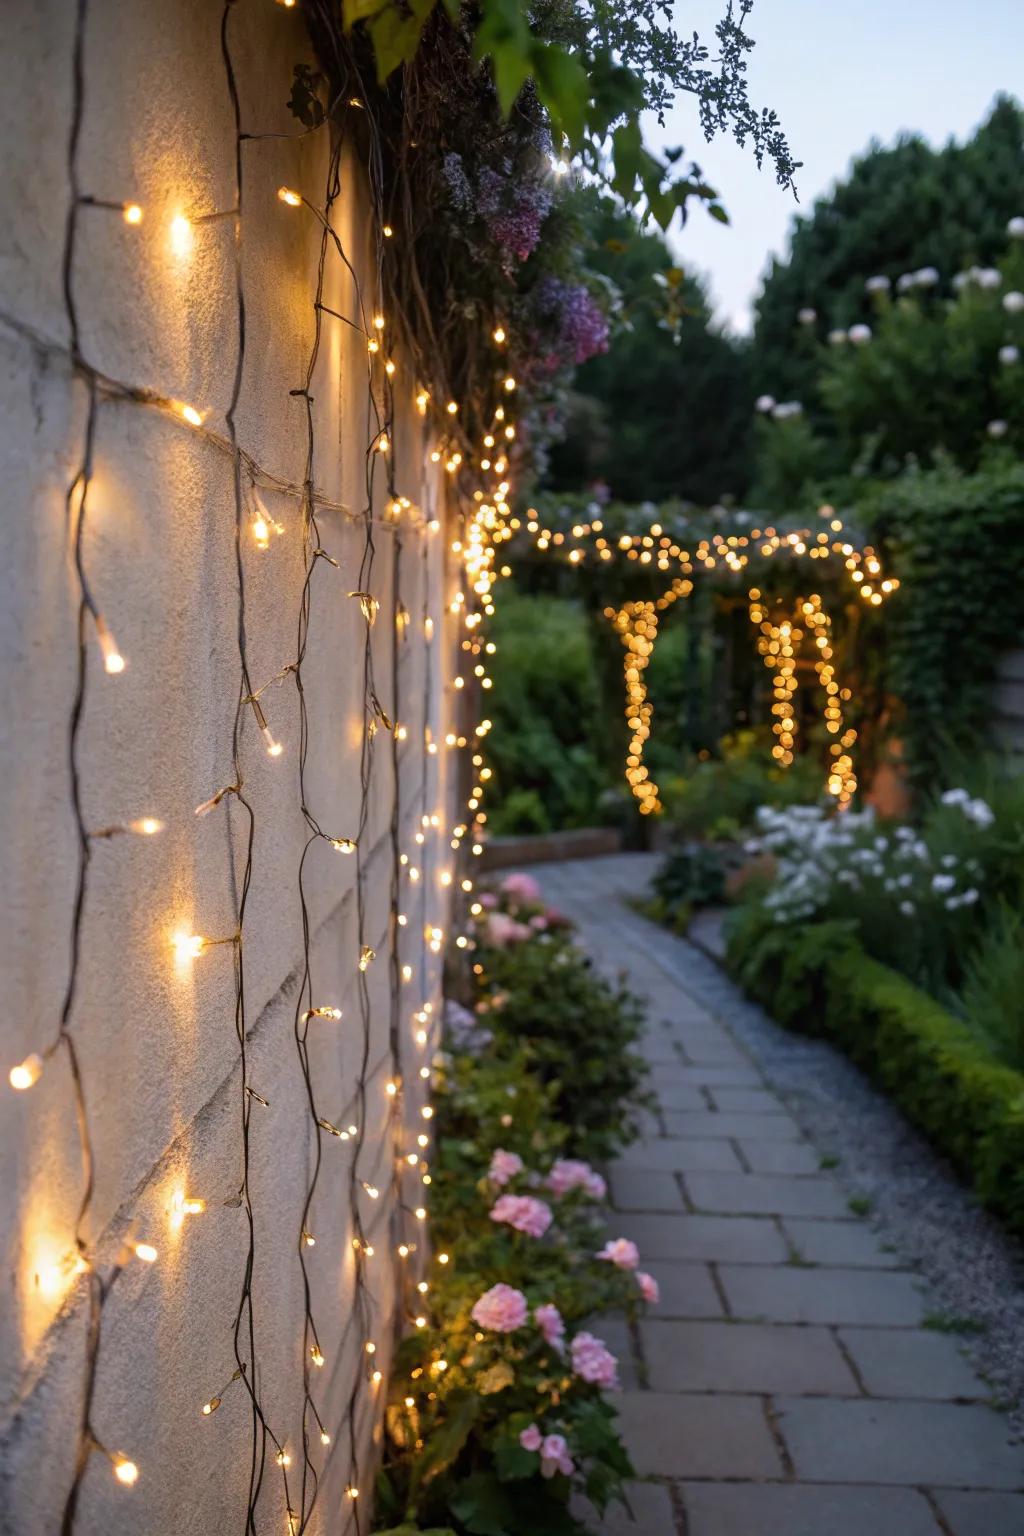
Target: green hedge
{"x":938,"y":1072}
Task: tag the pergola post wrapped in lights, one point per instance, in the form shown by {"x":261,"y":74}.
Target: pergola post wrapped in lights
{"x":782,"y":628}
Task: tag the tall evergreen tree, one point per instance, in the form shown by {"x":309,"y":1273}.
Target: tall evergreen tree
{"x":899,"y":210}
{"x":666,"y":411}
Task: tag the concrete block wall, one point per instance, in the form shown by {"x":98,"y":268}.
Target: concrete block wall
{"x":157,"y":1041}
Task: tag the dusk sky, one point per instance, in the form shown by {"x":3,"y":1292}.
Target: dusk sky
{"x":838,"y":74}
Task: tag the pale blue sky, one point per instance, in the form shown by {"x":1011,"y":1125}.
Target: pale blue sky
{"x":837,"y":72}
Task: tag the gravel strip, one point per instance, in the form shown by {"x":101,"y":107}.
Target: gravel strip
{"x":918,"y":1204}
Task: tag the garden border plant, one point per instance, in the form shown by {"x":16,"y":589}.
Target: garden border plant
{"x":497,"y":1415}
{"x":818,"y":978}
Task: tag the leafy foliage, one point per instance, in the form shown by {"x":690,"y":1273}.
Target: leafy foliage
{"x":899,"y":210}
{"x":545,"y":747}
{"x":464,"y":1392}
{"x":942,"y":1075}
{"x":959,"y":544}
{"x":579,"y":1033}
{"x":666,"y":411}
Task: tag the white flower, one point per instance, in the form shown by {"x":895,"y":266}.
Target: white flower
{"x":997,"y":428}
{"x":877,"y":285}
{"x":860,"y":335}
{"x":1009,"y":355}
{"x":907,"y":908}
{"x":926,"y":277}
{"x":989,"y":277}
{"x":908,"y":280}
{"x":954,"y":797}
{"x":807,"y":316}
{"x":1015,"y":228}
{"x":786,"y":409}
{"x":836,"y":338}
{"x":948,"y":860}
{"x":905,"y":880}
{"x":764,"y":403}
{"x":969,"y":897}
{"x":943,"y":883}
{"x":1013,"y":302}
{"x":961,"y":280}
{"x":981,"y":814}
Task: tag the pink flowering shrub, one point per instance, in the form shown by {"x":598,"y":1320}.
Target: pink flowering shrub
{"x":501,"y":1309}
{"x":620,"y":1252}
{"x":504,"y":1166}
{"x":503,"y":930}
{"x":593,"y":1361}
{"x":522,"y":888}
{"x":549,"y":1321}
{"x":569,"y":1173}
{"x":649,"y":1288}
{"x":524,"y":1213}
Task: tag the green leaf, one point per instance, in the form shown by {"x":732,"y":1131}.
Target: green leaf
{"x":718,"y":212}
{"x":484,"y":1506}
{"x":444,"y":1445}
{"x":563,"y":87}
{"x":360,"y":10}
{"x":395,"y":38}
{"x":513,"y":1462}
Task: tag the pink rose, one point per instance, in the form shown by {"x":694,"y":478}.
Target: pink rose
{"x":554,"y":1457}
{"x":531,"y":1438}
{"x":524,"y":1213}
{"x":488,"y":900}
{"x":500,"y":1310}
{"x":521,"y":887}
{"x":503,"y":930}
{"x":648,"y":1287}
{"x":568,"y":1173}
{"x":538,"y":922}
{"x":620,"y":1252}
{"x":593,"y":1362}
{"x":549,"y":1321}
{"x":504,"y":1166}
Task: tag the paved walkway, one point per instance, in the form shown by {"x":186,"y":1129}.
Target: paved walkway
{"x":784,"y":1386}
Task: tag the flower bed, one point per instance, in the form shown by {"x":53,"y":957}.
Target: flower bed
{"x":499,"y":1411}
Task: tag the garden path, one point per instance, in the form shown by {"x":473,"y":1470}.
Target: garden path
{"x":784,"y":1385}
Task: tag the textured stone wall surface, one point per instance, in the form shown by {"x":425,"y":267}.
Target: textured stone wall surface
{"x":157,"y":1040}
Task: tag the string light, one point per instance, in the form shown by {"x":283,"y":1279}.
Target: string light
{"x":26,"y":1073}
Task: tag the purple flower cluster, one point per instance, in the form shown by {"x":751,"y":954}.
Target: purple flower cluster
{"x":513,"y":210}
{"x":571,"y":324}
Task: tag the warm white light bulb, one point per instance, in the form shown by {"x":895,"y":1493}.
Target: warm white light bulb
{"x":125,"y":1471}
{"x":288,"y":196}
{"x":26,"y":1073}
{"x":132,"y":213}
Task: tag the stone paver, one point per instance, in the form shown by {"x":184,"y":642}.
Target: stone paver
{"x":910,"y":1364}
{"x":652,"y":1513}
{"x":789,"y":1387}
{"x":789,"y":1294}
{"x":776,"y":1510}
{"x":844,"y":1243}
{"x":671,"y":1434}
{"x":685,"y":1156}
{"x":950,"y":1445}
{"x":747,"y":1101}
{"x":982,"y":1514}
{"x":789,"y":1157}
{"x":636,"y":1189}
{"x":739,"y":1239}
{"x":761,"y":1194}
{"x":687,"y":1290}
{"x":702,"y":1122}
{"x":721,"y":1357}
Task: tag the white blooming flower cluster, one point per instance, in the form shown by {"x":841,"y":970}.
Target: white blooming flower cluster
{"x":924,"y":277}
{"x":821,"y":857}
{"x":977,"y":811}
{"x":980,"y":277}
